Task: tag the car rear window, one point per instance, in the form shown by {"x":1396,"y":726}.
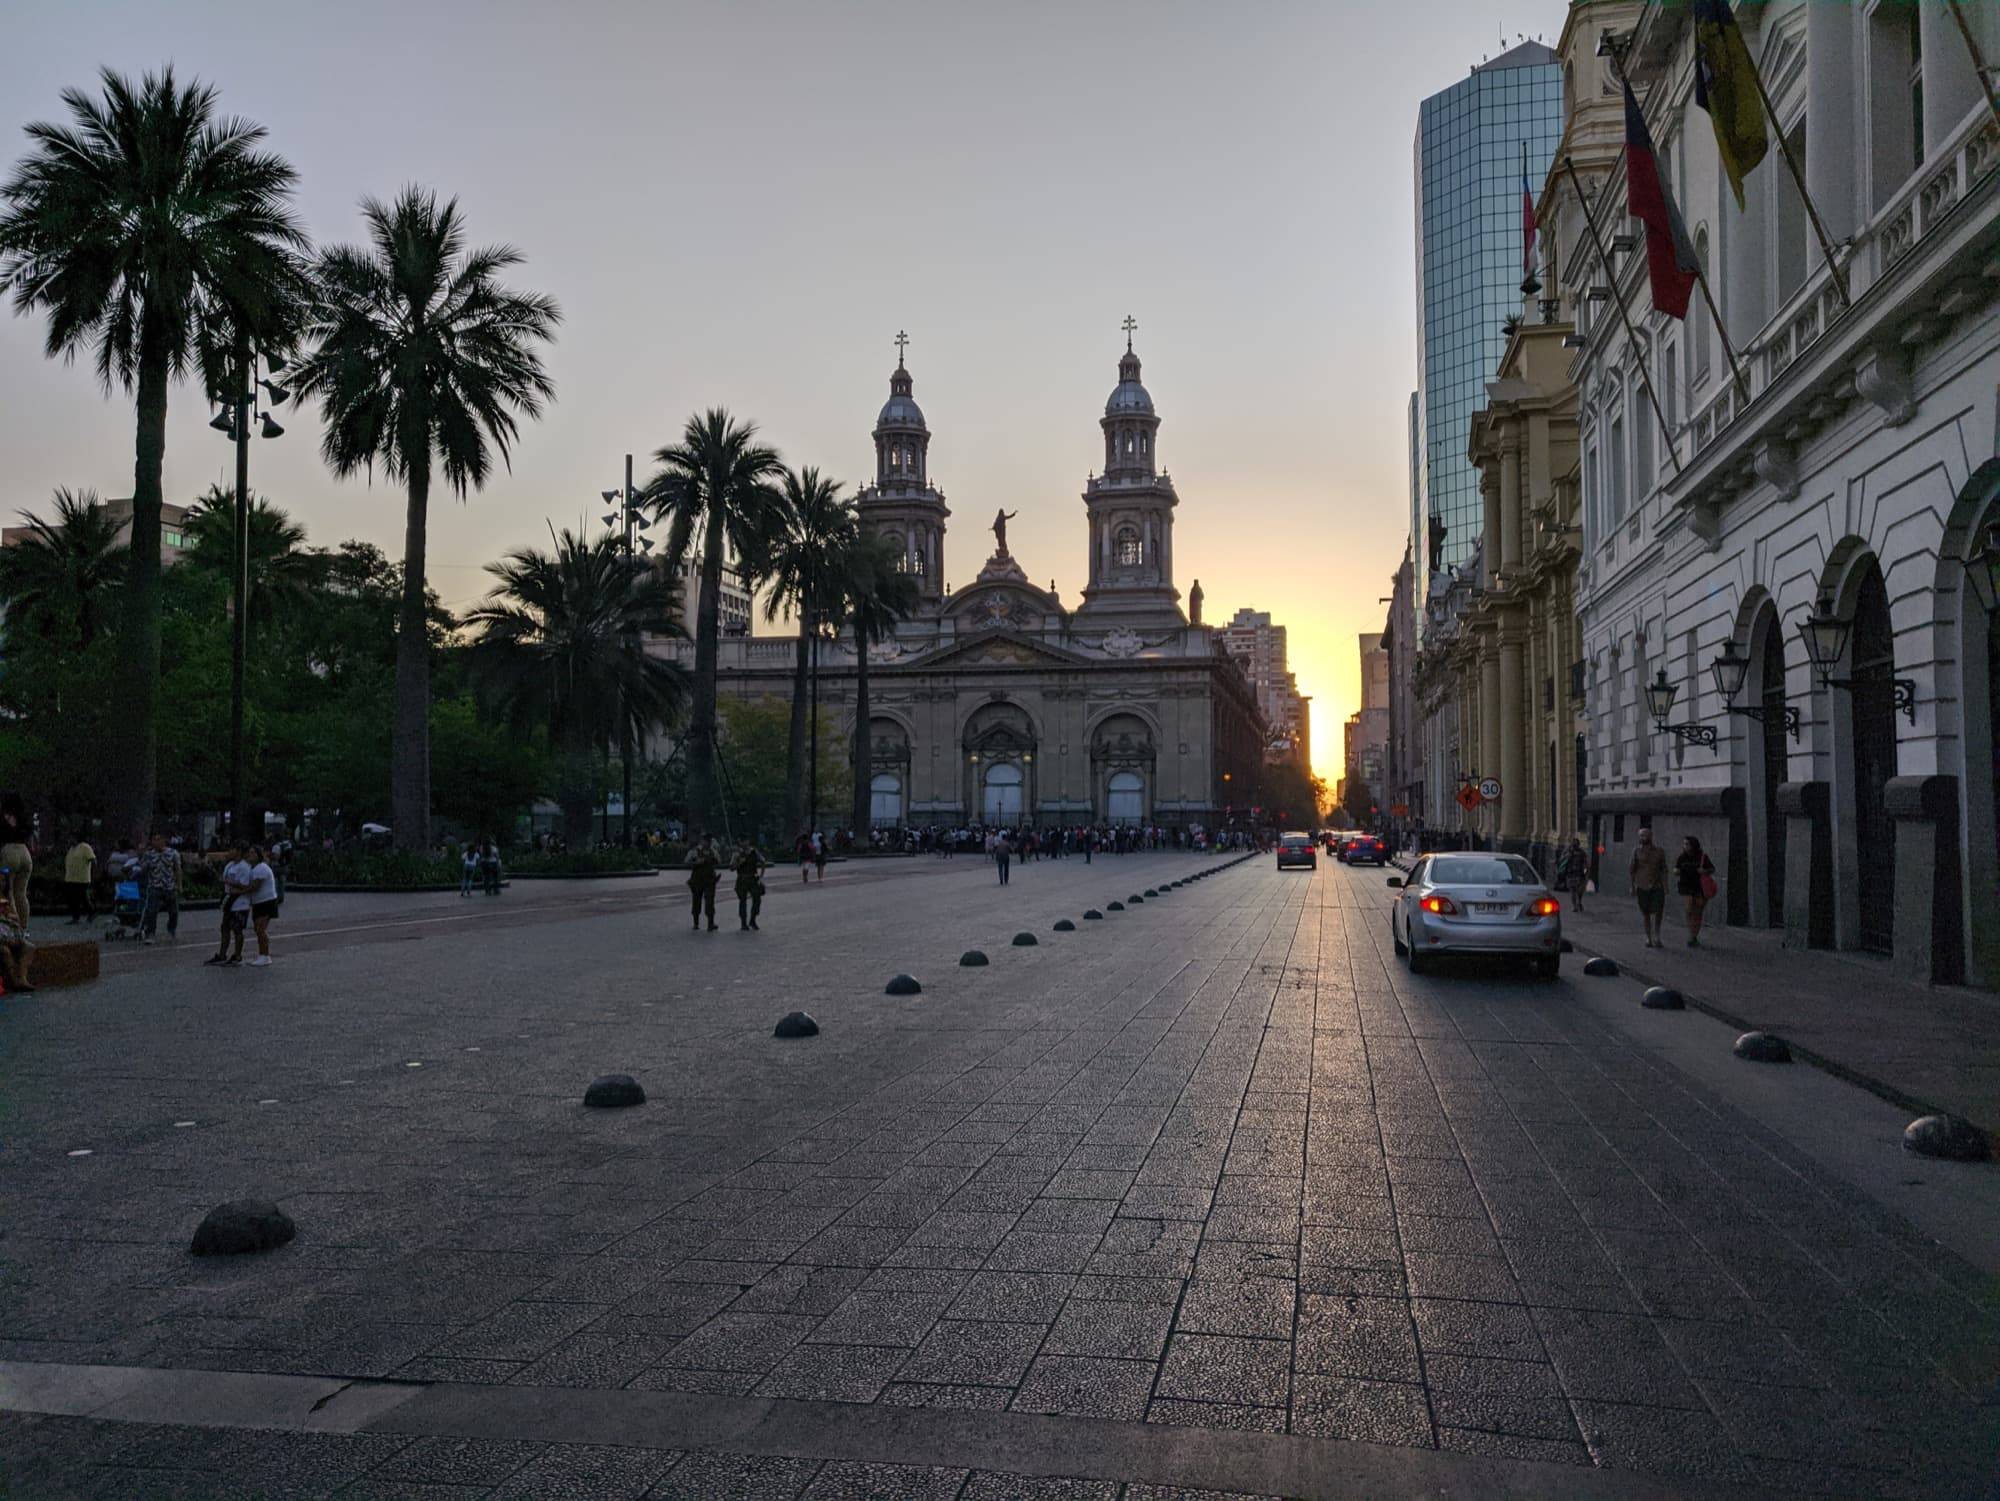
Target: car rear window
{"x":1296,"y":842}
{"x":1468,"y":870}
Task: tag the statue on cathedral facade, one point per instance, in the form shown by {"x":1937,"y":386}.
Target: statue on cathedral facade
{"x":1000,"y":520}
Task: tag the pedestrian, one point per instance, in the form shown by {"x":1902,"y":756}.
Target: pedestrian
{"x":819,"y":856}
{"x":1573,"y":873}
{"x":79,"y":870}
{"x":468,"y":869}
{"x":1649,"y":885}
{"x":1003,"y":855}
{"x":750,"y":865}
{"x":1694,"y":876}
{"x":160,"y":877}
{"x":703,"y":878}
{"x":803,"y":848}
{"x":17,"y":951}
{"x":235,"y":908}
{"x":17,"y":861}
{"x":264,"y":904}
{"x":489,"y":867}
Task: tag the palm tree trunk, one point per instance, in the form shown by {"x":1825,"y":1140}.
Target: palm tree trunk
{"x":410,"y":750}
{"x":862,"y":758}
{"x":701,"y":722}
{"x":139,"y":649}
{"x":795,"y":745}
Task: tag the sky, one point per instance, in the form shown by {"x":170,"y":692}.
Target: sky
{"x":741,"y":204}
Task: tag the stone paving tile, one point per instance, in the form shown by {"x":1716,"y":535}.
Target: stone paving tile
{"x":987,"y":1485}
{"x":1019,"y":1297}
{"x":1086,"y":1386}
{"x":833,"y":1373}
{"x":703,"y":1476}
{"x":848,"y":1480}
{"x":1216,"y":1368}
{"x":1113,"y":1329}
{"x":1376,"y":1412}
{"x":979,"y":1353}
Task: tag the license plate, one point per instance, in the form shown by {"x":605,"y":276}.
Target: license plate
{"x":1491,"y":907}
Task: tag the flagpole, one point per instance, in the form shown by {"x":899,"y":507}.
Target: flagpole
{"x":1978,"y":63}
{"x":1799,"y":177}
{"x":1645,"y":368}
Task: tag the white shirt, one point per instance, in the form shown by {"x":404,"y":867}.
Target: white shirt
{"x":263,"y":882}
{"x":238,"y":873}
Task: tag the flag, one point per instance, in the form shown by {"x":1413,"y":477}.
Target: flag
{"x":1725,"y":85}
{"x":1527,"y":217}
{"x":1670,"y":258}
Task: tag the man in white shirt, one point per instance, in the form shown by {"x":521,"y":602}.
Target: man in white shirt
{"x":236,"y":877}
{"x":262,"y":895}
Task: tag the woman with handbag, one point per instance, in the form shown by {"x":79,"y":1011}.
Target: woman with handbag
{"x":1694,"y":873}
{"x":750,"y":864}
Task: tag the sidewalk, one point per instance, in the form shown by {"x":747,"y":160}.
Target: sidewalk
{"x":1925,"y":1048}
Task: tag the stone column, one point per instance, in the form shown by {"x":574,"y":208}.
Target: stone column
{"x":1486,"y":763}
{"x":1832,"y":168}
{"x":1929,"y":935}
{"x":1510,"y":502}
{"x":1515,"y":792}
{"x":1951,"y":88}
{"x":1489,"y":495}
{"x":1807,"y":807}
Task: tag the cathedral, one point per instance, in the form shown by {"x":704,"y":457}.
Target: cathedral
{"x":997,"y":703}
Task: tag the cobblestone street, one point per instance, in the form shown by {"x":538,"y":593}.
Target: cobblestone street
{"x":1208,"y":1196}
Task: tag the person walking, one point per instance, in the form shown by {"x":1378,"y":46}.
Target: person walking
{"x":703,"y":878}
{"x":819,"y":855}
{"x":235,"y":908}
{"x":264,"y":904}
{"x":750,"y":863}
{"x":17,"y":861}
{"x":160,"y":877}
{"x":1694,"y":877}
{"x":1573,"y":873}
{"x":1003,"y":855}
{"x":17,"y":951}
{"x":489,"y":867}
{"x":79,"y":870}
{"x":1649,"y":885}
{"x":468,"y":869}
{"x":803,"y":848}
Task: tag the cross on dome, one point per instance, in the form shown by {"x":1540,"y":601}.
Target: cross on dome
{"x":902,"y":343}
{"x":1129,"y":325}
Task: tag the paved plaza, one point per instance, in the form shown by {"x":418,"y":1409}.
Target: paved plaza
{"x":1208,"y":1197}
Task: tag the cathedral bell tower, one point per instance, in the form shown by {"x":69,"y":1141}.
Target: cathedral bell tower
{"x":1131,"y":513}
{"x":902,"y":503}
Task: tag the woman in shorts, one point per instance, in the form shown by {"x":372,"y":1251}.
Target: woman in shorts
{"x":263,"y":895}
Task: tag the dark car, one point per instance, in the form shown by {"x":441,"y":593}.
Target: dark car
{"x":1367,"y":850}
{"x":1297,"y":849}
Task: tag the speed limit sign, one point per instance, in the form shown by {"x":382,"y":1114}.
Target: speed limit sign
{"x":1489,"y":788}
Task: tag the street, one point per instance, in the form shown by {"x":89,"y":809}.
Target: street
{"x":1208,"y":1196}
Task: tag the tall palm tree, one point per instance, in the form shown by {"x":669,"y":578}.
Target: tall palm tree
{"x":283,"y":572}
{"x":60,"y":583}
{"x":560,"y":648}
{"x":876,"y":593}
{"x":805,"y":567}
{"x":151,"y":231}
{"x":421,"y":361}
{"x":715,"y":484}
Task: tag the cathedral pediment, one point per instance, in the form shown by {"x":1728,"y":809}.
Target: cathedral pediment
{"x":996,"y":648}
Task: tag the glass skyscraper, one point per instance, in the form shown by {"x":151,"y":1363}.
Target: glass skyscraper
{"x":1468,"y":192}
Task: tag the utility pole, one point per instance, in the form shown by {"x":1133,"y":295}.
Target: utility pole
{"x":624,"y":709}
{"x":239,"y":593}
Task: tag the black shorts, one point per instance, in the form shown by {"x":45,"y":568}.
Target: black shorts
{"x":1652,"y":903}
{"x":264,"y":910}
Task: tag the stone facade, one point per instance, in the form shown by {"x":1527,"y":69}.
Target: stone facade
{"x":997,"y":704}
{"x":1835,"y":476}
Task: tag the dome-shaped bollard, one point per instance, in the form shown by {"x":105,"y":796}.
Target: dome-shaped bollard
{"x":1152,"y":891}
{"x":1948,"y":1137}
{"x":1064,"y":925}
{"x":902,"y":985}
{"x":795,"y":1024}
{"x":972,"y":959}
{"x":1662,"y":998}
{"x":614,"y":1092}
{"x":1762,"y":1047}
{"x":1114,"y":906}
{"x":242,"y":1227}
{"x":1601,"y":966}
{"x":1093,"y":915}
{"x":1025,"y":940}
{"x":1134,"y":898}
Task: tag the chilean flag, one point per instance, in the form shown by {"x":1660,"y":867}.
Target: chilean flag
{"x":1527,"y":216}
{"x":1670,"y":258}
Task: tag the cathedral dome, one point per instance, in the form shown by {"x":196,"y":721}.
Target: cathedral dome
{"x":901,"y":409}
{"x":1129,"y":395}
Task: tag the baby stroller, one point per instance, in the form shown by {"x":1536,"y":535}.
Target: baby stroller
{"x":127,"y":908}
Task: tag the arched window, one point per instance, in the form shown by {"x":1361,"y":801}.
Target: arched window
{"x":1129,"y":551}
{"x":885,"y":798}
{"x":1125,"y":797}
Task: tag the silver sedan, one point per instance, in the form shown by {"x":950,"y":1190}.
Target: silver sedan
{"x":1467,"y":903}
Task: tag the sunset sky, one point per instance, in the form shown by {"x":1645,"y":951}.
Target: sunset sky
{"x":741,"y":205}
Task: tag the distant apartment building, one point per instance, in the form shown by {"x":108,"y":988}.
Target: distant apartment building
{"x":1259,"y":648}
{"x":173,"y":539}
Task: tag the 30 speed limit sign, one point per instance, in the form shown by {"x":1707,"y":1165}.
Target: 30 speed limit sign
{"x":1489,"y":789}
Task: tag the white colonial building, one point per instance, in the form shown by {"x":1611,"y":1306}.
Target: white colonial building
{"x":1827,"y":506}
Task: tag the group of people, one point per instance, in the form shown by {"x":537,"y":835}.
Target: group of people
{"x":1693,"y":875}
{"x":479,"y":864}
{"x":705,"y":875}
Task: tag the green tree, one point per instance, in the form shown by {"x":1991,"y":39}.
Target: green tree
{"x":61,"y":582}
{"x":151,"y":232}
{"x":876,"y":594}
{"x":715,"y":485}
{"x":560,"y":650}
{"x":283,"y":574}
{"x":421,"y":361}
{"x":755,"y":739}
{"x":805,"y":565}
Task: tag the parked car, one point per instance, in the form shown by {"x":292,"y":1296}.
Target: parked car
{"x":1368,"y":850}
{"x":1466,"y":903}
{"x":1297,"y":849}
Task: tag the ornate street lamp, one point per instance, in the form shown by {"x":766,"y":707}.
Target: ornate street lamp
{"x":1825,"y":636}
{"x":1729,"y":670}
{"x":1660,"y":696}
{"x":1982,"y":568}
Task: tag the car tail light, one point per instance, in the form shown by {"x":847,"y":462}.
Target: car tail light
{"x":1444,"y":906}
{"x":1545,"y":906}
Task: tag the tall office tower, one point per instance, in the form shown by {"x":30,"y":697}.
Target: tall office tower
{"x":1469,"y":269}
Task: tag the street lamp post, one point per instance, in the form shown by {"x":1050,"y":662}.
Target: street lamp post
{"x":630,"y":524}
{"x":1660,"y":696}
{"x":1729,"y":671}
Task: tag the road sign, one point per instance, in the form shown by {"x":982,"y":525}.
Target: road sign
{"x":1469,"y":798}
{"x":1399,"y":810}
{"x":1489,"y":789}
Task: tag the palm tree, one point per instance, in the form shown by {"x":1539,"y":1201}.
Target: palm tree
{"x":819,"y":527}
{"x":283,"y":572}
{"x":60,"y":583}
{"x":876,"y":593}
{"x":152,"y":232}
{"x":717,"y":482}
{"x":421,"y":361}
{"x":560,"y":648}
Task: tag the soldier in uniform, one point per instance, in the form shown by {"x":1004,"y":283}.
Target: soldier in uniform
{"x":750,"y":865}
{"x":703,"y":877}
